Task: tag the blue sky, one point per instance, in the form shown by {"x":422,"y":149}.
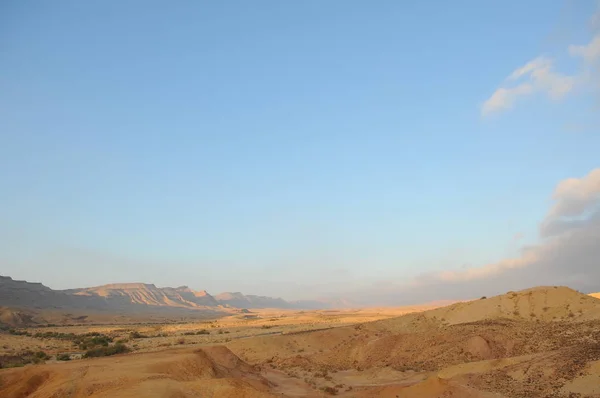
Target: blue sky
{"x":296,"y":149}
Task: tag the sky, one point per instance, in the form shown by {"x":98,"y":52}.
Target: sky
{"x":301,"y":149}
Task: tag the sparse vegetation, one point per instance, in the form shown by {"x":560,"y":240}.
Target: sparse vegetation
{"x":22,"y":359}
{"x":16,"y":332}
{"x":199,"y":332}
{"x":42,"y":356}
{"x":63,"y":357}
{"x":117,"y":348}
{"x":329,"y":390}
{"x":137,"y":335}
{"x":84,"y":341}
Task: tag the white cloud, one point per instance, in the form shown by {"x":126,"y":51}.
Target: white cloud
{"x":531,"y":66}
{"x":504,"y":98}
{"x":568,"y":254}
{"x":574,"y":199}
{"x":540,"y":79}
{"x":539,"y":76}
{"x":574,"y":195}
{"x":577,"y":206}
{"x":488,"y":270}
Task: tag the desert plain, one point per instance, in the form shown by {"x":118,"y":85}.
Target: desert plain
{"x":540,"y":342}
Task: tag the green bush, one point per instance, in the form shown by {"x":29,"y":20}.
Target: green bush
{"x":22,"y":359}
{"x":117,"y":348}
{"x":83,"y":341}
{"x":95,"y":341}
{"x":329,"y":390}
{"x":16,"y":332}
{"x":192,"y":333}
{"x":63,"y":357}
{"x":137,"y":335}
{"x":42,"y":355}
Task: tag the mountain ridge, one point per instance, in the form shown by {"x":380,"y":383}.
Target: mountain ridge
{"x":130,"y":296}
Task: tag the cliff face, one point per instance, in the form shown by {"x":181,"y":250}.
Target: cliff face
{"x":133,"y":297}
{"x":149,"y":294}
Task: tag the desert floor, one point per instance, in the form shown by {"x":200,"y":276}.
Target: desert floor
{"x":541,"y":342}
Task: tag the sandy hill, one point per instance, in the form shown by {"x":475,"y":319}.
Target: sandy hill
{"x":544,"y":303}
{"x":596,"y":295}
{"x":206,"y":372}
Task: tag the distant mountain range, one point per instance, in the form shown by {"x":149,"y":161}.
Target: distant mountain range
{"x":136,"y":297}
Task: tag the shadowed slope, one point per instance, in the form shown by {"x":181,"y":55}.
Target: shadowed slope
{"x":210,"y":371}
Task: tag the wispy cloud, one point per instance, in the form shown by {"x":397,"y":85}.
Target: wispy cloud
{"x":539,"y":76}
{"x":504,"y":98}
{"x":536,"y":76}
{"x":590,"y":52}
